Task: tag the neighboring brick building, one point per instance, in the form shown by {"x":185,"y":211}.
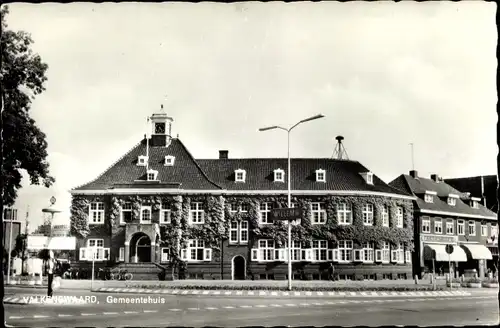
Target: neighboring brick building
{"x":444,"y":215}
{"x":157,"y":203}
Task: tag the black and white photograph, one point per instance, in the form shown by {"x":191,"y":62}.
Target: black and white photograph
{"x":194,"y":164}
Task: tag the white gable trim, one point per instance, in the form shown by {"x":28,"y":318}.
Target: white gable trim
{"x":150,"y":191}
{"x":429,"y":192}
{"x":453,"y":196}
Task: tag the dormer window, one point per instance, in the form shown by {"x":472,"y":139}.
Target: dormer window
{"x":475,"y":202}
{"x":368,"y":176}
{"x":452,"y":199}
{"x":152,"y":175}
{"x":429,"y":196}
{"x":142,"y":160}
{"x":320,"y":175}
{"x":240,"y":175}
{"x":169,"y":160}
{"x":279,"y":175}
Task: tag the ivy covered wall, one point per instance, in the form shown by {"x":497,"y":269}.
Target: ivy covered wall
{"x":218,"y":215}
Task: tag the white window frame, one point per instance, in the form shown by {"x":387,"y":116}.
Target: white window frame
{"x":450,"y":223}
{"x":407,"y":256}
{"x":461,"y":226}
{"x":266,"y":249}
{"x":96,"y":215}
{"x":319,"y":250}
{"x":385,"y":216}
{"x":426,"y":224}
{"x":121,"y":254}
{"x":244,"y":207}
{"x":428,"y":198}
{"x":469,"y":225}
{"x":103,"y":253}
{"x":368,"y":214}
{"x":475,"y":204}
{"x":386,"y":252}
{"x":438,"y":223}
{"x":368,"y":254}
{"x":397,"y":254}
{"x":369,"y":178}
{"x":452,"y":201}
{"x":142,"y":160}
{"x":149,"y":209}
{"x":197,"y":245}
{"x":484,"y":230}
{"x":265,"y":213}
{"x":164,"y":256}
{"x":318,"y":213}
{"x":344,"y":214}
{"x":152,"y":175}
{"x":169,"y":160}
{"x":165,"y":214}
{"x":320,"y":175}
{"x":345,"y":251}
{"x":279,"y":175}
{"x":196,"y":213}
{"x":240,"y":175}
{"x":296,"y":250}
{"x":233,"y":232}
{"x":128,"y":210}
{"x":244,"y":228}
{"x":494,"y":231}
{"x":399,"y":217}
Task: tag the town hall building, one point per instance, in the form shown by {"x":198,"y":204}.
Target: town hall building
{"x":158,"y":206}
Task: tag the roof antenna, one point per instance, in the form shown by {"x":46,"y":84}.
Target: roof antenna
{"x":340,"y":152}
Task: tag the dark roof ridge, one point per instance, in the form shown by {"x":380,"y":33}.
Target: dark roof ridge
{"x":111,"y":166}
{"x":277,"y":158}
{"x":197,"y":165}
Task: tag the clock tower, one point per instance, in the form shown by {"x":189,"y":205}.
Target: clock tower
{"x":161,"y":126}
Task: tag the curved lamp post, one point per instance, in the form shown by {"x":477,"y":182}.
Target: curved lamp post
{"x":289,"y":246}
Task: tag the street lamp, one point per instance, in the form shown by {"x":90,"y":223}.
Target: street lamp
{"x":289,"y":248}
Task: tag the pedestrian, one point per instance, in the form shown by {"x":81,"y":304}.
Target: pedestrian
{"x":51,"y":269}
{"x":331,"y":271}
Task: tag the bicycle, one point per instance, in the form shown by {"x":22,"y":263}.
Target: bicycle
{"x":104,"y":274}
{"x":122,"y":275}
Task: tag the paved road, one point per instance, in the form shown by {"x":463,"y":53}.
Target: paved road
{"x":255,"y":311}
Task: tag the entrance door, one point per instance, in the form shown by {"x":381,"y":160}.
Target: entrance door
{"x":239,"y":268}
{"x":140,"y":248}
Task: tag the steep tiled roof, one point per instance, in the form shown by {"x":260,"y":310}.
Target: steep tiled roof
{"x":420,"y":185}
{"x":340,"y":174}
{"x":184,"y":174}
{"x":473,"y":185}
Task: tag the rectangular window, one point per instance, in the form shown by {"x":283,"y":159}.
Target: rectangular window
{"x":265,"y":208}
{"x":196,"y":250}
{"x":368,"y":251}
{"x":399,"y":217}
{"x":233,"y":207}
{"x":233,"y":232}
{"x":298,"y":221}
{"x":429,"y":198}
{"x":318,"y":213}
{"x":426,"y":225}
{"x":196,"y":213}
{"x":245,"y":208}
{"x":368,"y":214}
{"x":146,"y":214}
{"x":266,"y":250}
{"x":96,"y":213}
{"x":121,"y":254}
{"x":484,"y":230}
{"x":296,"y":250}
{"x":165,"y":214}
{"x":494,"y":231}
{"x":344,"y":213}
{"x":452,"y":201}
{"x":345,"y":250}
{"x":165,"y":254}
{"x":461,"y":227}
{"x":386,"y":252}
{"x":126,"y":213}
{"x":95,"y":243}
{"x":449,"y":227}
{"x":385,"y":216}
{"x":244,"y":231}
{"x":438,"y":226}
{"x":319,"y":249}
{"x":96,"y":248}
{"x":397,"y":254}
{"x":472,"y":228}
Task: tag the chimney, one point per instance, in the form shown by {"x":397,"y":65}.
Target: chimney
{"x":223,"y":154}
{"x":435,"y":177}
{"x":414,"y":174}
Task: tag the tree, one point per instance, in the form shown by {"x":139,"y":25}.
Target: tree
{"x":23,"y":144}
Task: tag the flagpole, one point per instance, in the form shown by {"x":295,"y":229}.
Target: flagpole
{"x":147,"y":150}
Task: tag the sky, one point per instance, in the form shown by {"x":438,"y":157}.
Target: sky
{"x":384,"y":75}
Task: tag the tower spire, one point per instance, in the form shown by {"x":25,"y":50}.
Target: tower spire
{"x":340,"y":152}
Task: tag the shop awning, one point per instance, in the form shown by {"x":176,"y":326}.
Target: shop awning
{"x":478,"y":252}
{"x":438,"y":252}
